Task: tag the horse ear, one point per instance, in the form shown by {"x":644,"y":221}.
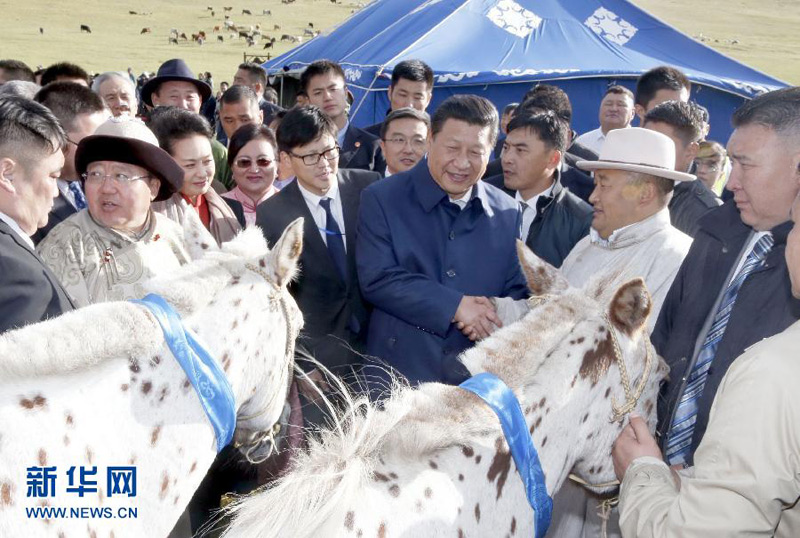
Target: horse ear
{"x":284,"y":255}
{"x":198,"y":240}
{"x":630,"y":307}
{"x":542,"y":278}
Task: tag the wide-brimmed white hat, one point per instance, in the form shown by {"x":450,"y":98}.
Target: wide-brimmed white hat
{"x":638,"y":150}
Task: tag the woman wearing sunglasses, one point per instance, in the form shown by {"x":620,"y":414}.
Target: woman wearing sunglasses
{"x":251,"y":156}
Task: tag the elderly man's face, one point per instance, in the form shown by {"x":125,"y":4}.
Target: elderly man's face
{"x":615,"y":201}
{"x":793,"y":249}
{"x":33,"y":181}
{"x":458,"y":156}
{"x":234,"y":115}
{"x":764,"y":175}
{"x":118,"y":204}
{"x":616,"y":111}
{"x":118,"y":96}
{"x":405,"y":144}
{"x":178,"y":93}
{"x":83,"y":126}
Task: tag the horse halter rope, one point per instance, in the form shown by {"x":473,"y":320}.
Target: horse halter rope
{"x":267,"y":437}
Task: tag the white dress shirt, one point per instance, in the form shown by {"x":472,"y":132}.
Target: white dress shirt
{"x":318,"y":212}
{"x":529,"y":210}
{"x":462,"y":202}
{"x":341,"y":133}
{"x":63,"y":188}
{"x":14,"y":226}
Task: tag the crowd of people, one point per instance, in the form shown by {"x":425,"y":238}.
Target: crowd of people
{"x":410,"y":237}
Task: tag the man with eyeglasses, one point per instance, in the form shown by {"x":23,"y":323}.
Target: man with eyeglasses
{"x":404,"y":139}
{"x":80,"y":111}
{"x":31,"y":158}
{"x":326,"y":290}
{"x":324,"y":83}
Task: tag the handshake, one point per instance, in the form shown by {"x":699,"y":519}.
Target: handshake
{"x":478,"y":317}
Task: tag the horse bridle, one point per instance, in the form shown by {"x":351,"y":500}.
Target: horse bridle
{"x":267,"y":437}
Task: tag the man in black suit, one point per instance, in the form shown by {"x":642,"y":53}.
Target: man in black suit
{"x":327,"y":289}
{"x":553,"y":219}
{"x":411,"y":87}
{"x":31,"y":158}
{"x":544,"y":97}
{"x":682,"y":122}
{"x":324,"y":83}
{"x":80,"y":111}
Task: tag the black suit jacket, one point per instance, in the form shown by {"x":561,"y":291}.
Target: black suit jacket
{"x":326,"y":301}
{"x":562,"y":219}
{"x":29,"y":291}
{"x":361,"y":151}
{"x":61,"y":210}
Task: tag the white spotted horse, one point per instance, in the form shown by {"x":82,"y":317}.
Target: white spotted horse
{"x":434,"y":461}
{"x":99,"y":388}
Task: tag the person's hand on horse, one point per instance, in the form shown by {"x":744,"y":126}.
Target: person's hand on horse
{"x":312,"y":383}
{"x":635,"y":441}
{"x":476,"y":317}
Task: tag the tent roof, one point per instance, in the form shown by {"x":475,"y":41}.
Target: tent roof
{"x":476,"y":42}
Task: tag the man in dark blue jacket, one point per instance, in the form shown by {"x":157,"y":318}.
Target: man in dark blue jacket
{"x":553,"y":219}
{"x":733,"y":288}
{"x":434,"y":244}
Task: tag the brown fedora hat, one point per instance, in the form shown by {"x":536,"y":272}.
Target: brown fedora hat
{"x":128,"y":140}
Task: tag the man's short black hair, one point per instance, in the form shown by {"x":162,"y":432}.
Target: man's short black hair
{"x":413,"y":70}
{"x":27,"y":126}
{"x":68,"y":100}
{"x":16,"y":70}
{"x":303,"y":125}
{"x":320,"y":67}
{"x":171,"y":124}
{"x":685,"y":118}
{"x":619,"y":90}
{"x":659,"y":78}
{"x":471,"y":109}
{"x":404,"y":113}
{"x":66,"y":70}
{"x":778,"y":110}
{"x":237,"y":94}
{"x":510,"y":108}
{"x":246,"y":134}
{"x":548,"y":127}
{"x":547,"y":97}
{"x":255,"y":72}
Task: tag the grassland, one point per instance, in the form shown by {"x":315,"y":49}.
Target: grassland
{"x":761,"y":33}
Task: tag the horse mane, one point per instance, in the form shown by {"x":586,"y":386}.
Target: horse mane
{"x":341,"y":460}
{"x":80,"y":339}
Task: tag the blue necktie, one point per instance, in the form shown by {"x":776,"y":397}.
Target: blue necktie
{"x":337,"y":253}
{"x":334,"y":240}
{"x":679,"y":438}
{"x":77,"y":194}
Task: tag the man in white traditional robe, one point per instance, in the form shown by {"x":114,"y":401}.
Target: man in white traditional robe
{"x":631,"y":236}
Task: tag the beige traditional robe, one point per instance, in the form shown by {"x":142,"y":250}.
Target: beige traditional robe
{"x":97,"y":264}
{"x":652,"y":249}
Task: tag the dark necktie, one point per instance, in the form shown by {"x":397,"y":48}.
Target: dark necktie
{"x":335,"y":242}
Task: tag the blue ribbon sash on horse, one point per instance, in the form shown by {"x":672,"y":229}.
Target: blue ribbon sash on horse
{"x":205,"y":375}
{"x":506,"y":406}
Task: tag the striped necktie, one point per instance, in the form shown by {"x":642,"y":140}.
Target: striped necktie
{"x":679,"y":437}
{"x":77,"y":194}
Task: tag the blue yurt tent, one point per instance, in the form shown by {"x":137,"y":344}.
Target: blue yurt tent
{"x":499,"y":48}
